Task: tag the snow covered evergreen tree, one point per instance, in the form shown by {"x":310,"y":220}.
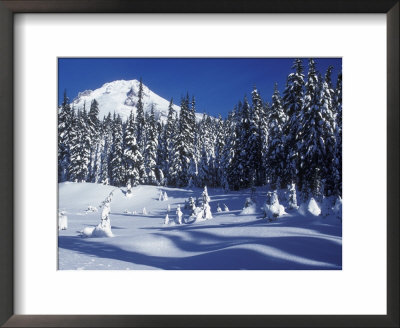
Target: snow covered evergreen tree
{"x":293,"y":101}
{"x":337,"y":105}
{"x":79,"y":148}
{"x":65,"y":120}
{"x":255,"y":139}
{"x":140,"y":120}
{"x":134,"y":168}
{"x":151,"y":150}
{"x":93,"y":124}
{"x":311,"y":137}
{"x":276,"y":140}
{"x":117,"y":169}
{"x":328,"y":170}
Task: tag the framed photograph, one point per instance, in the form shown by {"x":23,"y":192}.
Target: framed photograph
{"x":217,"y":164}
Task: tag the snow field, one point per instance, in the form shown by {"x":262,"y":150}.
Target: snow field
{"x":231,"y":240}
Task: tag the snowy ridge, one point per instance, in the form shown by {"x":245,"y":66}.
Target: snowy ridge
{"x":121,"y":96}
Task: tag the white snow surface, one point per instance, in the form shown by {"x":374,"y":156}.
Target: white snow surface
{"x":121,"y":96}
{"x":231,"y":240}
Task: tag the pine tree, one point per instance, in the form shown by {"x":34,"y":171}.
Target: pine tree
{"x":80,"y":148}
{"x":65,"y":119}
{"x":133,"y":159}
{"x":310,"y":137}
{"x":276,"y":153}
{"x":93,"y":123}
{"x":117,"y":170}
{"x":328,"y":170}
{"x":151,"y":150}
{"x":254,"y":143}
{"x":140,"y":119}
{"x":183,"y":144}
{"x":337,"y":105}
{"x":105,"y":146}
{"x":293,"y":101}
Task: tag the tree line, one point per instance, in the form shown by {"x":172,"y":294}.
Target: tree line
{"x":295,"y":140}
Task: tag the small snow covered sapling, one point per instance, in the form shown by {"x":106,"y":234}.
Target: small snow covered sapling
{"x":144,"y":211}
{"x":166,"y":220}
{"x":104,"y":228}
{"x":219,"y":208}
{"x":249,"y":206}
{"x":161,"y":196}
{"x":62,"y":221}
{"x":206,"y":207}
{"x":168,"y":208}
{"x":292,"y":201}
{"x":165,"y":195}
{"x":226,"y":209}
{"x":179,"y":214}
{"x":272,"y":208}
{"x":128,"y":188}
{"x":313,"y":207}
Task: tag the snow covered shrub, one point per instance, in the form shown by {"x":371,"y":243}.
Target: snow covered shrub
{"x":226,"y":209}
{"x":203,"y":212}
{"x":292,"y":201}
{"x":313,"y":207}
{"x":219,"y":208}
{"x":272,"y":208}
{"x":144,"y":211}
{"x":161,"y":196}
{"x":249,"y":206}
{"x":207,"y":212}
{"x":62,"y":221}
{"x":165,"y":195}
{"x":179,"y":214}
{"x":206,"y":207}
{"x":337,"y":208}
{"x":190,"y":205}
{"x":168,"y":208}
{"x":166,"y":220}
{"x":128,"y":188}
{"x":104,"y":227}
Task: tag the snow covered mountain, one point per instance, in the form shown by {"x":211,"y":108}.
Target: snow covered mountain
{"x":121,"y":96}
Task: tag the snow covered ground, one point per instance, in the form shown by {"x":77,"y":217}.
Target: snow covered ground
{"x":231,"y":240}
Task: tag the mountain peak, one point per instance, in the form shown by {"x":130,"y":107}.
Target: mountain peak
{"x":121,"y":97}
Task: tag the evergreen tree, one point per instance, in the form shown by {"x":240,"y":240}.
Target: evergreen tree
{"x":337,"y":105}
{"x":310,"y":137}
{"x":133,"y":159}
{"x":93,"y":123}
{"x":65,"y":119}
{"x":80,"y":148}
{"x":254,"y":142}
{"x":117,"y":169}
{"x":328,"y":170}
{"x":293,"y":101}
{"x":151,"y":150}
{"x":276,"y":153}
{"x":140,"y":119}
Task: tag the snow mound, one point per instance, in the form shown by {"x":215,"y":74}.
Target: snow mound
{"x":98,"y":231}
{"x":311,"y":207}
{"x":272,"y":208}
{"x":62,"y":221}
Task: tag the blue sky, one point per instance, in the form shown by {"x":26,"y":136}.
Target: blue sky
{"x":217,"y":83}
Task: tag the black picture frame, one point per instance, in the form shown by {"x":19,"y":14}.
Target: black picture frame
{"x":10,"y":7}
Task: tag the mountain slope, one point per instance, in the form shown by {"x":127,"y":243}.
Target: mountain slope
{"x":121,"y":96}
